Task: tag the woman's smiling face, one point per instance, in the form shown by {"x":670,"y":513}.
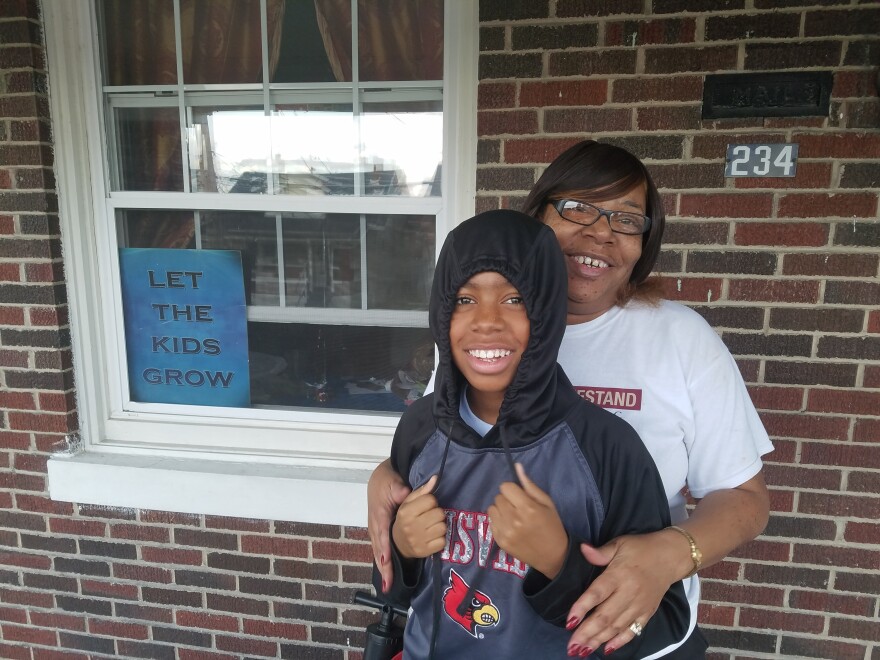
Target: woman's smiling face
{"x":600,"y":262}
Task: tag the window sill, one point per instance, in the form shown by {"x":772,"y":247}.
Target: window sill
{"x":332,"y":496}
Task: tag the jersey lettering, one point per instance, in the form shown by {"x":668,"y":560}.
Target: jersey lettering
{"x":611,"y":397}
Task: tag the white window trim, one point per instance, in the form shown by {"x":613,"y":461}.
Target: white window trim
{"x":125,"y":458}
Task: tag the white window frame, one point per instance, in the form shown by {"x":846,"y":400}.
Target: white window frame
{"x":268,"y":463}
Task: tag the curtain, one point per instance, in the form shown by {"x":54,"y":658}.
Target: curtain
{"x":397,"y":39}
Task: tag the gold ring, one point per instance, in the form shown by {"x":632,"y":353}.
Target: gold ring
{"x":636,"y":628}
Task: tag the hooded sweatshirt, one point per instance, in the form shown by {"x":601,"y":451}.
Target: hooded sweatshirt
{"x":473,"y":600}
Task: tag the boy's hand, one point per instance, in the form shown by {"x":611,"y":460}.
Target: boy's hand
{"x":525,"y":524}
{"x":420,"y":528}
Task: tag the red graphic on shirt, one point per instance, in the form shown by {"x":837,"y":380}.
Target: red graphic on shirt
{"x":611,"y":397}
{"x":479,"y":612}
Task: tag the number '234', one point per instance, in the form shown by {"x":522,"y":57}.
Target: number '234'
{"x":761,"y":160}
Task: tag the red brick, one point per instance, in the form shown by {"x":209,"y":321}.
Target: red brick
{"x":675,"y":60}
{"x":874,"y":321}
{"x":792,"y":291}
{"x":781,"y":233}
{"x":77,"y":527}
{"x":118,"y":629}
{"x":17,"y":401}
{"x":114,"y":590}
{"x":765,"y":619}
{"x":763,"y":550}
{"x":828,"y":205}
{"x":40,"y":422}
{"x":25,"y":560}
{"x":806,"y":426}
{"x":556,"y":93}
{"x":270,"y":545}
{"x":782,"y":501}
{"x":41,"y":272}
{"x":31,"y":462}
{"x":640,"y":90}
{"x":867,"y":430}
{"x":539,"y":150}
{"x":246,"y":645}
{"x":30,"y":635}
{"x":862,"y":630}
{"x":16,"y":359}
{"x":17,"y":481}
{"x":238,"y":524}
{"x":189,"y":654}
{"x":777,"y":398}
{"x":794,"y":476}
{"x":353,"y":552}
{"x":587,"y":120}
{"x":141,"y":533}
{"x":356,"y":533}
{"x":141,"y":573}
{"x":820,"y":601}
{"x":11,"y":316}
{"x":13,"y":440}
{"x":854,"y":84}
{"x":858,"y":532}
{"x":662,"y":118}
{"x":496,"y":95}
{"x":10,"y":272}
{"x":276,"y":629}
{"x":56,"y":620}
{"x":647,"y":32}
{"x":834,"y":265}
{"x":515,"y":122}
{"x":716,"y":615}
{"x":727,"y":593}
{"x":42,"y":504}
{"x":34,"y":599}
{"x":808,"y":175}
{"x":692,"y":289}
{"x":208,"y":621}
{"x":848,"y":146}
{"x":827,"y":504}
{"x":842,"y":454}
{"x":171,"y":556}
{"x":10,"y":652}
{"x":41,"y":316}
{"x":54,"y":402}
{"x":835,"y":555}
{"x":724,"y":205}
{"x":843,"y":401}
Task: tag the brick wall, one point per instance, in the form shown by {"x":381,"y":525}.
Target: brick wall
{"x":787,"y":269}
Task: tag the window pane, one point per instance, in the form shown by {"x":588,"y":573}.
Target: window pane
{"x":222,"y":40}
{"x":400,"y":261}
{"x":313,"y":149}
{"x":137,"y":40}
{"x":156,"y":229}
{"x":338,"y":367}
{"x":229,"y":150}
{"x":322,"y":260}
{"x":254,"y":235}
{"x":403,"y":146}
{"x":315,"y":43}
{"x":148,"y":149}
{"x":400,"y":39}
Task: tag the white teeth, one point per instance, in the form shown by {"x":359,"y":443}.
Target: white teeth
{"x":589,"y":261}
{"x":490,"y":354}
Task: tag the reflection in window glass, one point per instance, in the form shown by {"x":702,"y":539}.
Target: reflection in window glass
{"x":156,"y":229}
{"x":322,"y":260}
{"x":402,"y":148}
{"x":338,"y":367}
{"x":148,"y":149}
{"x":252,"y":234}
{"x":400,"y":261}
{"x":228,"y":150}
{"x":313,"y":149}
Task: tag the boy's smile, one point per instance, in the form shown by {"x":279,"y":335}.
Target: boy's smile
{"x":488,"y":333}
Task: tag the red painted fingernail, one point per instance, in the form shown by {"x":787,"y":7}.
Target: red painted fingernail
{"x":609,"y":650}
{"x":573,"y":650}
{"x":572,"y":622}
{"x":586,"y":651}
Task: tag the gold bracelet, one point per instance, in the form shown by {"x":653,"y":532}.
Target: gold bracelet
{"x":696,"y":555}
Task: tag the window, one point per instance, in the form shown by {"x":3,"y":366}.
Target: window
{"x":326,"y":144}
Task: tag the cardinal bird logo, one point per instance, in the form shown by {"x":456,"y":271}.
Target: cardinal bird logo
{"x":480,"y":612}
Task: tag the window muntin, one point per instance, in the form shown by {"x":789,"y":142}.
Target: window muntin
{"x":350,"y":286}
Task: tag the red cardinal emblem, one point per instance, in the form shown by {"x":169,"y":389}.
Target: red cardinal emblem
{"x":479,"y":612}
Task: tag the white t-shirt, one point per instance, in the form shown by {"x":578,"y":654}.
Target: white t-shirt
{"x":665,"y":371}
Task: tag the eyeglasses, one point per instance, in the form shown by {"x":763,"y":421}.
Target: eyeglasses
{"x":621,"y":222}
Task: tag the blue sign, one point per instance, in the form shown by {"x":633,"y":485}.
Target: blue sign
{"x":185,"y":326}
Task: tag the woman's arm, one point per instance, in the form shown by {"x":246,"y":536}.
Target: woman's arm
{"x":385,"y":492}
{"x":640,"y":568}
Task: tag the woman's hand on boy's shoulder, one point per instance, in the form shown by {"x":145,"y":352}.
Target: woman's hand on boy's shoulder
{"x":420,"y":527}
{"x":526,"y":525}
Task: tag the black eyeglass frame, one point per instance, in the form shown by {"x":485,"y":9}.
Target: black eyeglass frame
{"x":559,"y":205}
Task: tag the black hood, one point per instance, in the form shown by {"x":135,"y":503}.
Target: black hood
{"x":526,"y":252}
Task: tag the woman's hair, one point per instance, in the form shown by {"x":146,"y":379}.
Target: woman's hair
{"x":593,"y":171}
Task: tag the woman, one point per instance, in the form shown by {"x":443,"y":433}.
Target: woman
{"x":658,"y":365}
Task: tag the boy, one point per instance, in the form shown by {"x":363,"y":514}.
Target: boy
{"x":505,"y":438}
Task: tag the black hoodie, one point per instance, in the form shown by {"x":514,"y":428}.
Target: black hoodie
{"x":601,"y":478}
